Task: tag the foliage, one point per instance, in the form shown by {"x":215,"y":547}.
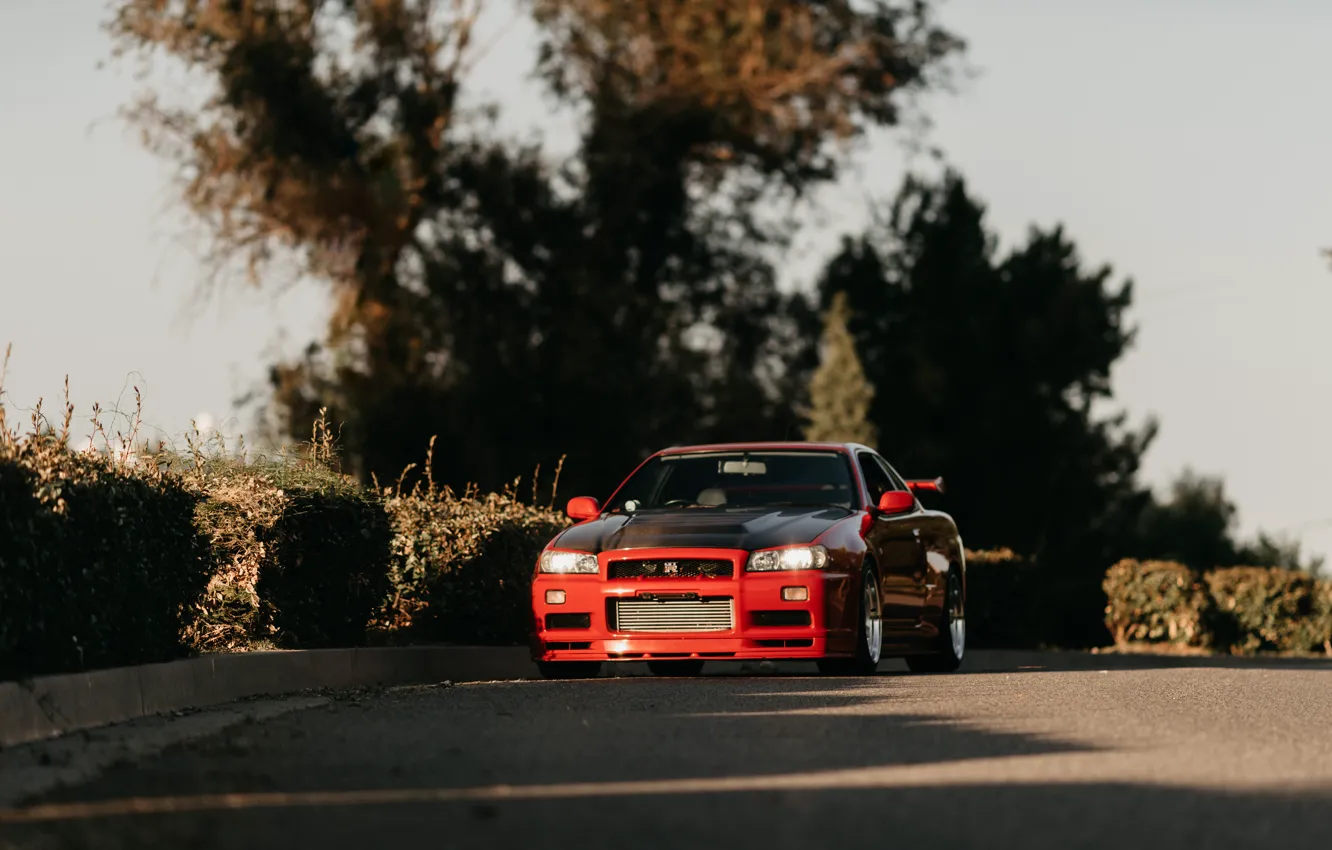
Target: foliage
{"x":760,"y":84}
{"x":1270,"y":609}
{"x":1003,"y":594}
{"x":1156,"y":602}
{"x":633,"y":277}
{"x":132,"y":556}
{"x":461,"y":568}
{"x":1196,"y":526}
{"x":99,"y":556}
{"x":840,"y":397}
{"x":1279,"y":551}
{"x":1242,"y":610}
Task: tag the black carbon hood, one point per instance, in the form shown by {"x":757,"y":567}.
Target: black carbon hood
{"x":700,"y":528}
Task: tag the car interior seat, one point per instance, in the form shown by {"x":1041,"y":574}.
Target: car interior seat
{"x":712,"y":497}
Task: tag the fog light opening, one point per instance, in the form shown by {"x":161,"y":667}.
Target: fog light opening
{"x":795,"y":594}
{"x":554,"y":597}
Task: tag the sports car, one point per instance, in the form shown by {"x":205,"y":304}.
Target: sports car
{"x":781,"y":551}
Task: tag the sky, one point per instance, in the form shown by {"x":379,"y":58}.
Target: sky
{"x":1186,"y":143}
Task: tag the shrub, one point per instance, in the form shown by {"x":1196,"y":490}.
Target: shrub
{"x":302,"y":552}
{"x":1270,"y":609}
{"x":1002,"y":594}
{"x":99,"y":560}
{"x":462,"y":566}
{"x":1156,"y":602}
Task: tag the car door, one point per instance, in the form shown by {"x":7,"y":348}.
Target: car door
{"x":893,"y":542}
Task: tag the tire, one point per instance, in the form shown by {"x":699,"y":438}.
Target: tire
{"x":869,"y":633}
{"x":569,"y":669}
{"x":676,"y":667}
{"x":952,"y":634}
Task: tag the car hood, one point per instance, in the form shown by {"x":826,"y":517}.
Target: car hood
{"x":702,"y":528}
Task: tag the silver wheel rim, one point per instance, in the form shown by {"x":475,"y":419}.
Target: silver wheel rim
{"x":873,"y":618}
{"x":957,"y":618}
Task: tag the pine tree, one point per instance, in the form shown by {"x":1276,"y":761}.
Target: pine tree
{"x":840,"y":395}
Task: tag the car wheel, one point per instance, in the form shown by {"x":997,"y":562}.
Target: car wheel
{"x":952,"y":635}
{"x":569,"y":669}
{"x":681,"y":667}
{"x":869,"y":633}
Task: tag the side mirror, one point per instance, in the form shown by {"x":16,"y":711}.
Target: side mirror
{"x":896,"y":502}
{"x":919,"y":486}
{"x":583,"y":507}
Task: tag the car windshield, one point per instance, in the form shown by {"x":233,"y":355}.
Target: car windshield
{"x":738,"y":479}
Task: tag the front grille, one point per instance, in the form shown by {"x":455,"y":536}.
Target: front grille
{"x":675,"y":615}
{"x":672,"y":568}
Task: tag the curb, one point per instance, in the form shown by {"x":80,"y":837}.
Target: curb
{"x":50,"y":706}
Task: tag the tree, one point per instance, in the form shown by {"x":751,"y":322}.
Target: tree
{"x":1274,"y":550}
{"x":988,"y":369}
{"x":840,"y":397}
{"x":518,"y":308}
{"x":1196,"y":526}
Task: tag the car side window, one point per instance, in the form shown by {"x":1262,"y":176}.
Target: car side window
{"x":876,"y":479}
{"x":898,"y":483}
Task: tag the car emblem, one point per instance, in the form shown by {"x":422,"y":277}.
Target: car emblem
{"x":671,"y":568}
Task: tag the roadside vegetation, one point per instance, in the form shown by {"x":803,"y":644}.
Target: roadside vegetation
{"x":119,"y":552}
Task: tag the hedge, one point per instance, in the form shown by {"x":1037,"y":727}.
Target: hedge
{"x":1156,"y":602}
{"x":1240,"y":610}
{"x":99,"y":565}
{"x":461,"y":567}
{"x":302,"y":557}
{"x":1261,"y":609}
{"x":1002,"y":600}
{"x":112,"y":558}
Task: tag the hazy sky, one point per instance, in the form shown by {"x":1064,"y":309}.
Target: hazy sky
{"x":1186,"y":142}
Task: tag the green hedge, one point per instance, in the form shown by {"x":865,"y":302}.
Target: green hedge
{"x":1261,"y":609}
{"x":99,"y":565}
{"x":1002,"y":600}
{"x":462,"y":567}
{"x":1241,"y":610}
{"x":1156,"y":602}
{"x":115,"y":560}
{"x":302,"y":557}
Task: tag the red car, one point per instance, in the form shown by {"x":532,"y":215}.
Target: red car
{"x":815,"y":551}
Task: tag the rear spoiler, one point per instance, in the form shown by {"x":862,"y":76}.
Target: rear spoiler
{"x":926,"y":486}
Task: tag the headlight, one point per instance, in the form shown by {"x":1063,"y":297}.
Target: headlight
{"x":788,"y":558}
{"x":555,"y":561}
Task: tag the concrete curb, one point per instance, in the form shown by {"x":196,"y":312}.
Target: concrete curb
{"x":56,"y":705}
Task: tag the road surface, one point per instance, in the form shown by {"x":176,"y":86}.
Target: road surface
{"x":1025,"y":750}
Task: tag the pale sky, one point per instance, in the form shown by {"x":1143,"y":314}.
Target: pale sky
{"x":1186,"y":142}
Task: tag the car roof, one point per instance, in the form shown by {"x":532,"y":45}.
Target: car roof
{"x":766,"y":446}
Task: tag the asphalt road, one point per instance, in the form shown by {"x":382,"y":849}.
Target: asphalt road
{"x":1032,"y":751}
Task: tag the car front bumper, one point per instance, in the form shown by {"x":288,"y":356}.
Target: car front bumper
{"x":743,"y":616}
